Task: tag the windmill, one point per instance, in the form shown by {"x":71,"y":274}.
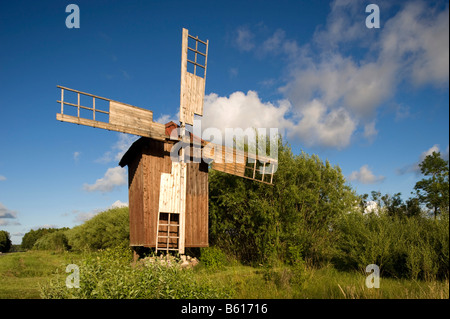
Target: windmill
{"x":158,"y":218}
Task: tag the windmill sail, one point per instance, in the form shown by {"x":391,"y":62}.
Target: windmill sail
{"x":240,"y":163}
{"x":192,"y":90}
{"x":118,"y":116}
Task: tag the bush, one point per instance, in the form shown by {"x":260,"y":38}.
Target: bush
{"x":258,"y":222}
{"x":213,"y":258}
{"x":106,"y":229}
{"x":111,"y":274}
{"x":30,"y":238}
{"x":56,"y":241}
{"x":415,"y":247}
{"x":5,"y":241}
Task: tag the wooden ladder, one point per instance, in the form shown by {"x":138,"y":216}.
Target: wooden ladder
{"x":168,"y":232}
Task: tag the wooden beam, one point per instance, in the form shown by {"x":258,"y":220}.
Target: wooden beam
{"x":156,"y":131}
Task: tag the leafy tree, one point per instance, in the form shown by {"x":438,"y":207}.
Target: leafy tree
{"x":30,"y":238}
{"x":56,"y":241}
{"x":394,"y":205}
{"x":106,"y":229}
{"x":434,"y":190}
{"x":295,"y":216}
{"x":5,"y":241}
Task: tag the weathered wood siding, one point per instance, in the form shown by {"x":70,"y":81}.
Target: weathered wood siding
{"x":149,"y":161}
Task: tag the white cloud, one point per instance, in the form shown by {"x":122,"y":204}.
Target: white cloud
{"x":123,"y":144}
{"x":166,"y":118}
{"x":365,"y":176}
{"x":279,"y":44}
{"x":314,"y":123}
{"x":118,"y":149}
{"x":113,"y":178}
{"x":118,"y":204}
{"x":321,"y":126}
{"x":369,"y":130}
{"x":325,"y":79}
{"x":76,"y":156}
{"x":417,"y":39}
{"x":241,"y":110}
{"x":2,"y":178}
{"x":244,"y":39}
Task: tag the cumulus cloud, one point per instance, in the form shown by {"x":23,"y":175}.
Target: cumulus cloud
{"x":119,"y":204}
{"x":113,"y":178}
{"x":314,"y":123}
{"x":76,"y":156}
{"x":417,"y":39}
{"x":2,"y":178}
{"x":244,"y":110}
{"x":319,"y":125}
{"x":326,"y":82}
{"x":365,"y":176}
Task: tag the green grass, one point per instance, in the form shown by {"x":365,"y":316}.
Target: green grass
{"x":324,"y":283}
{"x":21,"y":275}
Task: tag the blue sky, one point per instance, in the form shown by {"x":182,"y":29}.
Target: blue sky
{"x":372,"y":101}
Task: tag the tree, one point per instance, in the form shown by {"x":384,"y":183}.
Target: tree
{"x":30,"y":238}
{"x":5,"y":241}
{"x":434,"y":191}
{"x":295,"y":216}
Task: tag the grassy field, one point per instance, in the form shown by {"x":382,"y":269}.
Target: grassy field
{"x":22,"y":273}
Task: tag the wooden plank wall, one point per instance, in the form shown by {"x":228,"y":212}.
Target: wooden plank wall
{"x":135,"y":200}
{"x":197,"y":205}
{"x":144,"y":184}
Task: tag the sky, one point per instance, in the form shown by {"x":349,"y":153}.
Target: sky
{"x":373,"y":101}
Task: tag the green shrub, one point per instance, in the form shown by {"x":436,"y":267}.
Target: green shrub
{"x":5,"y":241}
{"x":106,"y":229}
{"x":31,"y":237}
{"x":110,"y":274}
{"x":415,"y":247}
{"x":213,"y":258}
{"x":56,"y":241}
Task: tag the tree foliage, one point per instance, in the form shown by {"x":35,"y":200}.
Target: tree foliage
{"x":414,"y":247}
{"x":5,"y":241}
{"x":56,"y":241}
{"x":434,"y":190}
{"x":31,"y":237}
{"x":259,"y":222}
{"x":106,"y":229}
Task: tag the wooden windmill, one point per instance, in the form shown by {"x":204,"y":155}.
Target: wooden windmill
{"x":168,"y":199}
